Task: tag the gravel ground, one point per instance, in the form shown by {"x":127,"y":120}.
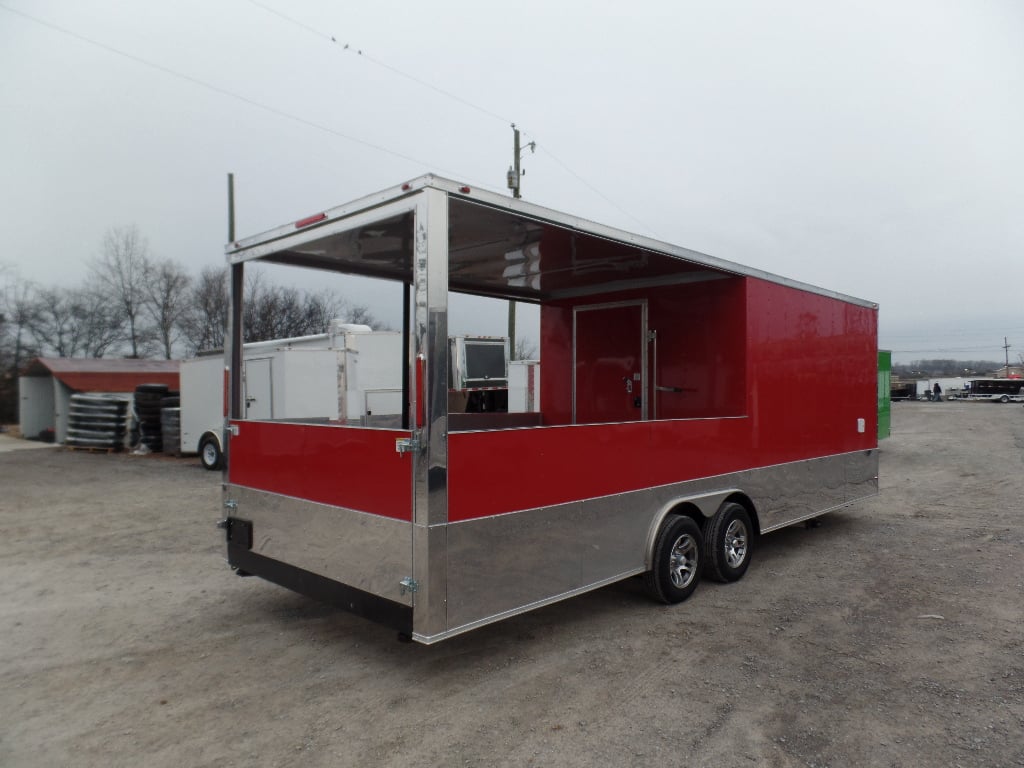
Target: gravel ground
{"x":891,"y":635}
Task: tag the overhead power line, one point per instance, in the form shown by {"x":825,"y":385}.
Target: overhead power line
{"x":320,"y":126}
{"x":231,"y":94}
{"x":348,"y":48}
{"x":595,"y":190}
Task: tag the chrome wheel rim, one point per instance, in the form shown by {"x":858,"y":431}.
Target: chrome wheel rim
{"x":682,"y":566}
{"x":735,"y":544}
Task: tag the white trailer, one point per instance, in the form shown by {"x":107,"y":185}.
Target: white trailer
{"x":348,"y":376}
{"x":524,"y":386}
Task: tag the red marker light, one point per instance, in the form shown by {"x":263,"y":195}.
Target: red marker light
{"x":464,"y":190}
{"x":406,"y":187}
{"x":310,"y":220}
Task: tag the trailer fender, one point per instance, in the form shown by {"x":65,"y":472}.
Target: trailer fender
{"x":700,"y":507}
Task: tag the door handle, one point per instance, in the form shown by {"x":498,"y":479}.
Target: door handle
{"x":629,"y":385}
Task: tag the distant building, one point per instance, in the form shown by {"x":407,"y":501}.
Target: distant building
{"x":45,"y":386}
{"x":1008,"y":372}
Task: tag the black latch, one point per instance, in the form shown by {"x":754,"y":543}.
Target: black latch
{"x":238,"y":532}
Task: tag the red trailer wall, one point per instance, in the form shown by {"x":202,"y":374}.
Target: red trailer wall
{"x":812,"y":372}
{"x":794,"y":372}
{"x":701,"y":349}
{"x":340,"y":466}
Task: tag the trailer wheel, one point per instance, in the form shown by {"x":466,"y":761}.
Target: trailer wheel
{"x":210,"y":453}
{"x":1004,"y":399}
{"x":728,"y":542}
{"x":676,"y":561}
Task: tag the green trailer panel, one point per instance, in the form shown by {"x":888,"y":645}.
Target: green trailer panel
{"x":884,"y":400}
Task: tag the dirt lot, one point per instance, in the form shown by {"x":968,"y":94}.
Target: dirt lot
{"x":892,"y":635}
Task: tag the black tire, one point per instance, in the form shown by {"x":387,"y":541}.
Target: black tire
{"x":676,"y":561}
{"x":210,"y":455}
{"x":728,"y":543}
{"x":1004,"y":399}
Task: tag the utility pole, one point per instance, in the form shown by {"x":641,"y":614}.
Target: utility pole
{"x":515,"y":173}
{"x":514,"y":177}
{"x":231,"y":207}
{"x":1006,"y":349}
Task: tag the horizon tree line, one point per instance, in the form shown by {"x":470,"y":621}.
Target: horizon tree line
{"x":134,"y":304}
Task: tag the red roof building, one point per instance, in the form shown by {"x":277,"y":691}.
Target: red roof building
{"x":46,"y":384}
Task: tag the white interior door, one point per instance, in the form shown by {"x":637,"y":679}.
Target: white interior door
{"x":259,"y":389}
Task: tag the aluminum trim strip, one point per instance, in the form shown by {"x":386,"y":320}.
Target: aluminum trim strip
{"x":813,"y":515}
{"x":598,"y":424}
{"x":362,"y":550}
{"x":504,"y":564}
{"x":430,"y":639}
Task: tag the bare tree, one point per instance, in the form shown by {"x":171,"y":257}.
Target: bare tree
{"x":526,"y":349}
{"x":206,"y":320}
{"x":74,"y":323}
{"x":272,"y":312}
{"x":278,"y":312}
{"x":120,"y":275}
{"x":54,"y":325}
{"x":100,"y":329}
{"x":320,"y":308}
{"x":165,"y":294}
{"x":12,"y":345}
{"x":361,"y":314}
{"x":18,"y":306}
{"x":269,"y":311}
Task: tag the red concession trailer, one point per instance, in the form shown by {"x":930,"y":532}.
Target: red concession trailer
{"x":690,"y":405}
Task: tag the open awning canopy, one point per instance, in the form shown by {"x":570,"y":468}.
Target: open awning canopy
{"x":497,"y":246}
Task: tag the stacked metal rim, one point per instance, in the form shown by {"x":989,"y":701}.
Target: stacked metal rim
{"x":170,"y":422}
{"x":146,"y":409}
{"x":98,"y":420}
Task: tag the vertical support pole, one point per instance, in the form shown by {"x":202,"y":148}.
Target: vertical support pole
{"x":430,"y":475}
{"x":407,"y":354}
{"x":233,"y":335}
{"x":231,"y":207}
{"x":512,"y":329}
{"x":234,"y":345}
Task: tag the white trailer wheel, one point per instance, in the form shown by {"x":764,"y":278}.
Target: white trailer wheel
{"x":210,"y":454}
{"x":676,"y":561}
{"x":728,"y":542}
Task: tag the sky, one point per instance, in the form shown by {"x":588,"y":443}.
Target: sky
{"x":871,"y":147}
